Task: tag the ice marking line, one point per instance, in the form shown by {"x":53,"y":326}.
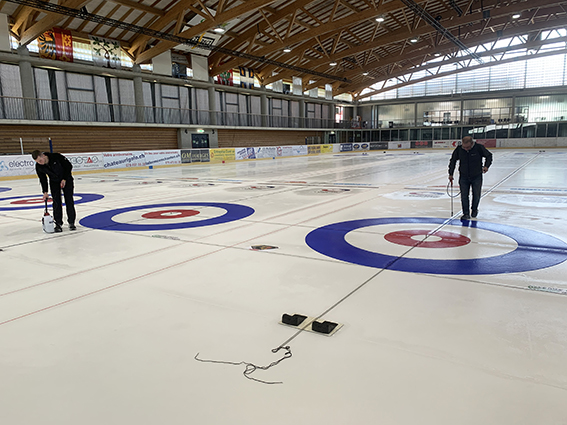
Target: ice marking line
{"x":534,"y":250}
{"x":88,"y":270}
{"x":160,"y":270}
{"x":104,"y":220}
{"x":348,"y":295}
{"x":85,"y":197}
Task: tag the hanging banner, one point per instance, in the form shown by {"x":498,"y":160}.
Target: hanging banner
{"x":56,"y":44}
{"x":63,"y":44}
{"x":225,"y":78}
{"x":106,"y":52}
{"x":46,"y":43}
{"x":246,"y":77}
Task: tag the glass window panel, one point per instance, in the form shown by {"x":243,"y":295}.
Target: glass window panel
{"x":528,"y":130}
{"x":516,"y":131}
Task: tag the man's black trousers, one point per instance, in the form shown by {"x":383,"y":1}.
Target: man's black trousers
{"x":466,"y":184}
{"x":69,"y":201}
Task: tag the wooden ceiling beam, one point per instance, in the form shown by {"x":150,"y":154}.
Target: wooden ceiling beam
{"x":139,"y":6}
{"x":401,"y":35}
{"x":48,"y":22}
{"x":329,"y":27}
{"x":235,"y":12}
{"x":162,"y":22}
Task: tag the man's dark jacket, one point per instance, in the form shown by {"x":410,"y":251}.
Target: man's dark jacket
{"x":470,"y":162}
{"x":58,"y":168}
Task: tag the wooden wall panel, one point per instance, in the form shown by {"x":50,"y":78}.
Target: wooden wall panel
{"x":67,"y":139}
{"x":249,"y":138}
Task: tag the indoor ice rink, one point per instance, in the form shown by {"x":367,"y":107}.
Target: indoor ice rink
{"x":166,"y":305}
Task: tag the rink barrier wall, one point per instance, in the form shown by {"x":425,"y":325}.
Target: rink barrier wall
{"x":23,"y":166}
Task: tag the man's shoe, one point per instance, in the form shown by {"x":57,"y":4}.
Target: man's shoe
{"x":58,"y":229}
{"x":72,"y":227}
{"x":465,"y":217}
{"x":474,"y":213}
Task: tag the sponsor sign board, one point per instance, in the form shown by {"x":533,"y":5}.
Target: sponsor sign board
{"x":399,"y":145}
{"x":219,"y":155}
{"x":313,"y":149}
{"x":489,"y":143}
{"x":346,"y":147}
{"x":16,"y":165}
{"x":360,"y":146}
{"x":444,"y":143}
{"x":287,"y":151}
{"x":124,"y":159}
{"x":204,"y":155}
{"x":186,"y":156}
{"x":326,"y":148}
{"x":86,"y":161}
{"x":374,"y":146}
{"x":266,"y":152}
{"x":163,"y":157}
{"x":300,"y":150}
{"x":421,"y":144}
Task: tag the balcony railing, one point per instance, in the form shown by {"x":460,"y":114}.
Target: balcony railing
{"x":17,"y":108}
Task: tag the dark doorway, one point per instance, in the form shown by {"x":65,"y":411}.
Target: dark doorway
{"x":199,"y":141}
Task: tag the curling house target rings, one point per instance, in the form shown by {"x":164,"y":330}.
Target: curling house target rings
{"x":84,"y":197}
{"x":103,"y":220}
{"x":535,"y":250}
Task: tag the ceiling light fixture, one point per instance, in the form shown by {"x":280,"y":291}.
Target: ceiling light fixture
{"x":365,"y":73}
{"x":380,"y":19}
{"x":413,"y":40}
{"x":286,"y":50}
{"x":333,"y":64}
{"x":219,"y":30}
{"x":516,"y":16}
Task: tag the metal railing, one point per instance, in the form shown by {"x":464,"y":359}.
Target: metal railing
{"x":18,"y":108}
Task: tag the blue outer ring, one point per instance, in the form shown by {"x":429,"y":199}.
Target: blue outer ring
{"x":5,"y":189}
{"x":85,"y":197}
{"x":535,"y":250}
{"x":103,"y":220}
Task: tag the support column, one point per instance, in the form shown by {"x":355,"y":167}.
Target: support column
{"x":264,"y":108}
{"x":212,"y":105}
{"x":28,"y":85}
{"x":138,"y":94}
{"x":301,"y":113}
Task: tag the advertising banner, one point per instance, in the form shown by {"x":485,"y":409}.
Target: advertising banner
{"x":219,"y":155}
{"x":124,"y":159}
{"x":314,"y":149}
{"x":300,"y":150}
{"x":163,"y":157}
{"x":326,"y":148}
{"x":204,"y":155}
{"x":421,"y":144}
{"x":16,"y":165}
{"x":489,"y":143}
{"x":374,"y":146}
{"x":266,"y":152}
{"x":287,"y":151}
{"x":186,"y":156}
{"x":244,"y":153}
{"x":444,"y":143}
{"x":86,"y":161}
{"x":345,"y":147}
{"x":399,"y":145}
{"x":360,"y":146}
